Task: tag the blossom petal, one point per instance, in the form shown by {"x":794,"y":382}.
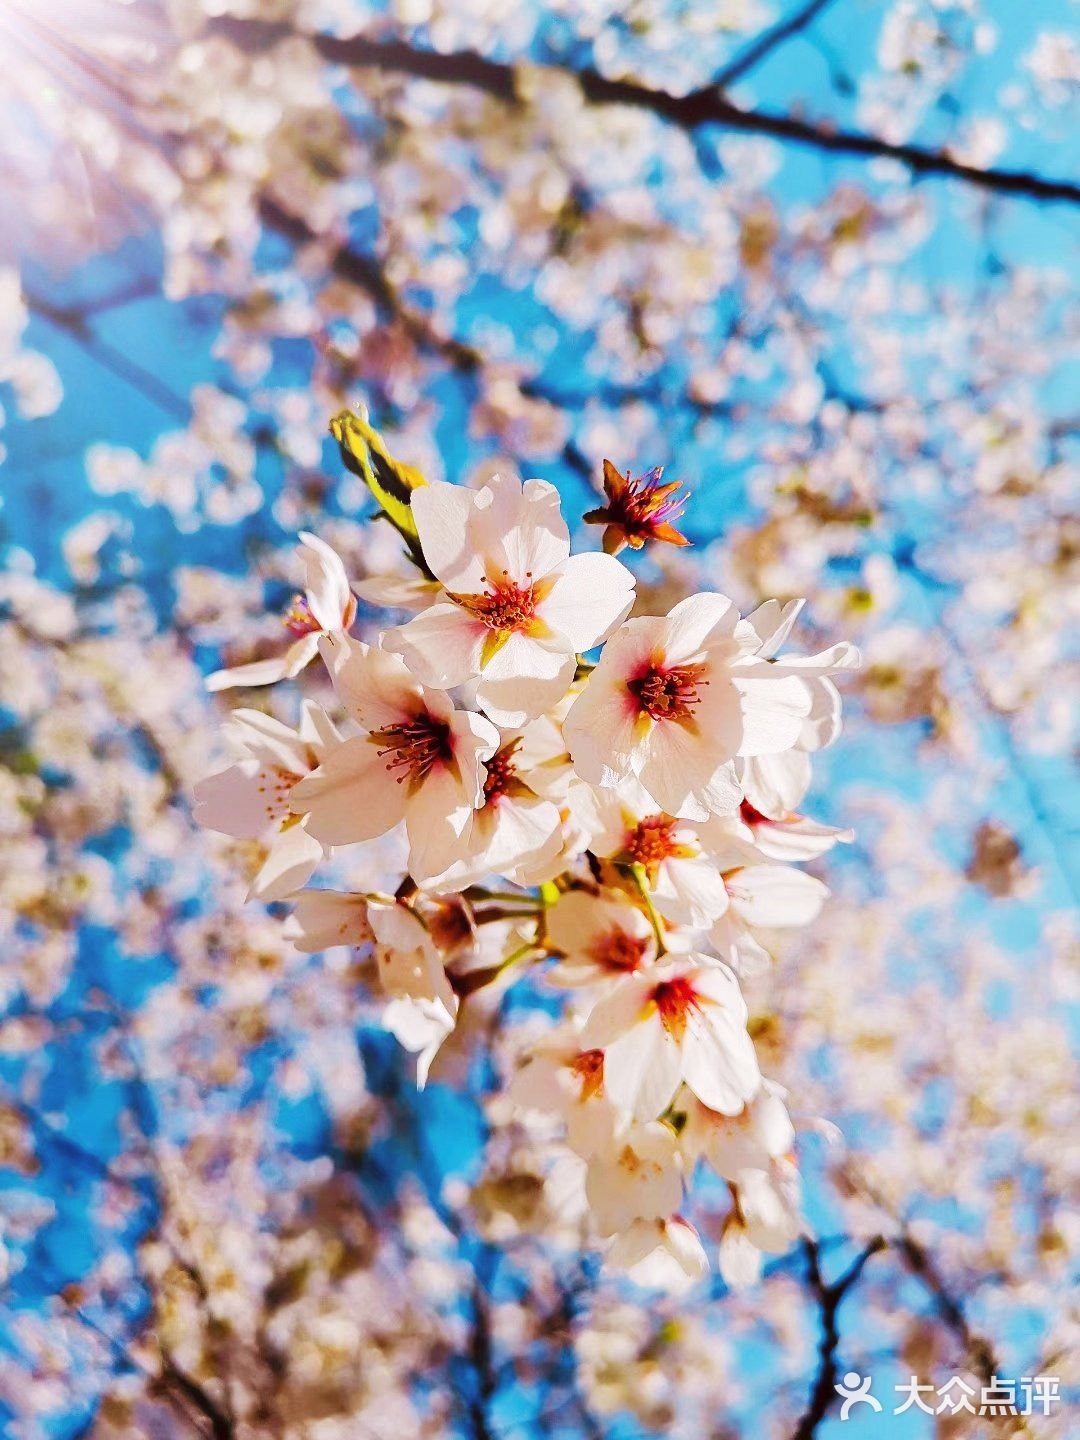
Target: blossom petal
{"x":682,"y":774}
{"x":690,"y":891}
{"x":251,"y":733}
{"x":231,"y":803}
{"x":842,"y":656}
{"x":823,"y":724}
{"x":442,"y":512}
{"x":324,"y":918}
{"x":325,"y":582}
{"x":373,"y":684}
{"x":518,"y":530}
{"x":437,"y":816}
{"x":269,"y":671}
{"x":642,"y":1069}
{"x":774,"y":784}
{"x":292,"y":858}
{"x":705,"y":618}
{"x":522,"y":680}
{"x":800,"y":839}
{"x":772,"y":624}
{"x":442,"y":645}
{"x":352,"y":796}
{"x":397,"y":592}
{"x":776,"y":896}
{"x":773,"y":706}
{"x":592,"y":594}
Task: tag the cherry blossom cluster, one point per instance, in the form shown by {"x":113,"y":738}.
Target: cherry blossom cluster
{"x":605,"y":800}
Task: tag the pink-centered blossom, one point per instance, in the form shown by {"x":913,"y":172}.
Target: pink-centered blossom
{"x":673,"y":1023}
{"x":600,"y":936}
{"x":685,"y":885}
{"x":516,"y":607}
{"x":326,"y":607}
{"x":420,"y":759}
{"x":255,"y":798}
{"x":514,"y":832}
{"x":675,"y":698}
{"x":562,"y":1080}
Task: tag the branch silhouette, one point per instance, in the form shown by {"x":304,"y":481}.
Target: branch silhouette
{"x":706,"y":106}
{"x":829,"y":1298}
{"x":770,"y":40}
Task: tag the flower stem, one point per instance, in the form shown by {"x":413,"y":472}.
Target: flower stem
{"x":642,"y":881}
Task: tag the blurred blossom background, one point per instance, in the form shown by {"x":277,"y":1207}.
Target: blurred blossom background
{"x":818,"y":261}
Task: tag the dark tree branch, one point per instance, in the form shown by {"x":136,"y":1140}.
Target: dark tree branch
{"x":978,"y":1350}
{"x":74,"y":323}
{"x":221,"y":1427}
{"x":829,"y":1298}
{"x":365,"y":272}
{"x":706,"y":106}
{"x":769,"y":41}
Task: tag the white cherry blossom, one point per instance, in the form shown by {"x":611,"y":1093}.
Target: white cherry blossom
{"x":420,"y":760}
{"x":327,"y":607}
{"x":660,"y":1254}
{"x":685,"y":885}
{"x":514,"y":832}
{"x":762,"y":897}
{"x":683,"y":1021}
{"x":674,"y":699}
{"x":601,"y":936}
{"x":255,"y":798}
{"x":563,"y":1080}
{"x":517,"y":607}
{"x":635,"y":1177}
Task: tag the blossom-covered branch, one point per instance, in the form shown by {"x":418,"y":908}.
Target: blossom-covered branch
{"x":644,"y":804}
{"x":707,"y":106}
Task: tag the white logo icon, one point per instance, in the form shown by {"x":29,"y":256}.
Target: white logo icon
{"x":855,"y":1389}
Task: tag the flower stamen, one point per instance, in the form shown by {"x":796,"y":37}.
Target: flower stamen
{"x":652,"y":841}
{"x":617,"y":949}
{"x":503,"y":606}
{"x":298,"y":619}
{"x":589,"y":1069}
{"x":501,"y":776}
{"x":415,"y":746}
{"x":669,"y":694}
{"x":674,"y":999}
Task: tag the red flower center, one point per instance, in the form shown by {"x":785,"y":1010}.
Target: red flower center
{"x":501,"y":776}
{"x":414,"y":747}
{"x":503,"y":604}
{"x":617,"y":949}
{"x":589,"y":1068}
{"x":669,"y":694}
{"x":675,"y":999}
{"x":298,"y":619}
{"x":653,"y":840}
{"x":750,"y":816}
